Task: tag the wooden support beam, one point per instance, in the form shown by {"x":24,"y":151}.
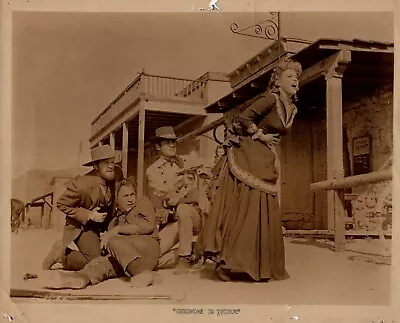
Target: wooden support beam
{"x":350,"y":196}
{"x":319,"y":69}
{"x":183,"y":124}
{"x":203,"y":129}
{"x":352,"y":181}
{"x":339,"y":218}
{"x":334,"y":144}
{"x":140,"y":161}
{"x":41,"y":197}
{"x":372,"y":71}
{"x":169,"y":106}
{"x":389,"y":50}
{"x":50,"y":205}
{"x":125,"y":147}
{"x":115,"y":123}
{"x":334,"y":110}
{"x":37,"y":204}
{"x":370,"y":79}
{"x":289,"y":232}
{"x":112,"y":140}
{"x":41,"y":215}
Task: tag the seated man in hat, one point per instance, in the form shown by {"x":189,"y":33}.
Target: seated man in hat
{"x":88,"y":204}
{"x":175,"y":198}
{"x":131,"y":241}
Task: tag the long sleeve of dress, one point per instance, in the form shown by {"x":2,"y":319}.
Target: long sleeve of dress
{"x":256,"y":110}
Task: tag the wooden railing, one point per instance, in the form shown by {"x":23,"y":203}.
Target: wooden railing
{"x":148,"y":85}
{"x":351,"y":181}
{"x":339,"y":185}
{"x":127,"y":97}
{"x":170,"y":86}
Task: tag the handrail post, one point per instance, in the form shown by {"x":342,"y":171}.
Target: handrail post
{"x":340,"y":223}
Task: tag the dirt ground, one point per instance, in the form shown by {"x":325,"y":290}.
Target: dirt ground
{"x":319,"y":276}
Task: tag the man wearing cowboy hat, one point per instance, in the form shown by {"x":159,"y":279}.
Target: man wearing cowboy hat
{"x":131,"y":241}
{"x":88,"y":205}
{"x":175,"y":199}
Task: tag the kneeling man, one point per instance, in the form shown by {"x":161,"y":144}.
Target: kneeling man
{"x":131,"y":241}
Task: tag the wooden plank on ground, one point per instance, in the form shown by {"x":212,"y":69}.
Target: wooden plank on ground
{"x":331,"y":234}
{"x":25,"y":293}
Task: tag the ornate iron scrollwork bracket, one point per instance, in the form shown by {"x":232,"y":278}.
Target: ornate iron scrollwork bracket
{"x":267,"y":29}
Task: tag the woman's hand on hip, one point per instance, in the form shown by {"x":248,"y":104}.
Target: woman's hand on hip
{"x":270,"y":139}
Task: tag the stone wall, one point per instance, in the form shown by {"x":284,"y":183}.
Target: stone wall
{"x":373,"y":116}
{"x":304,"y":160}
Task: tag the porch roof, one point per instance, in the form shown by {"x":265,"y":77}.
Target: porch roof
{"x":162,"y":98}
{"x":372,"y":65}
{"x":153,"y":120}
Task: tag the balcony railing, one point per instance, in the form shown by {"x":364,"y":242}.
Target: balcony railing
{"x":169,"y":86}
{"x":145,"y":85}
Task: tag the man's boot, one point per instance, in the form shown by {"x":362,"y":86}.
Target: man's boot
{"x":223,"y":274}
{"x":54,"y":256}
{"x":143,"y":279}
{"x":169,"y":260}
{"x":183,"y":266}
{"x":66,"y":280}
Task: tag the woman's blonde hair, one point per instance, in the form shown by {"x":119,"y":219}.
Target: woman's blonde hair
{"x":285,"y":64}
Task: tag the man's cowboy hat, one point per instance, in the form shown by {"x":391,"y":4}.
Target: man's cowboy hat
{"x":164,"y":133}
{"x":100,"y":153}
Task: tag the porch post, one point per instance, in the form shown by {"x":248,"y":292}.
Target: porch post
{"x":125,"y":147}
{"x":336,"y":211}
{"x":112,"y":140}
{"x":140,"y":160}
{"x":41,"y":215}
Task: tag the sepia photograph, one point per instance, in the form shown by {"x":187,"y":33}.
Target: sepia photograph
{"x":204,"y":157}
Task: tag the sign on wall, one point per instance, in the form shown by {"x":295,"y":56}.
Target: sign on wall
{"x":362,"y":155}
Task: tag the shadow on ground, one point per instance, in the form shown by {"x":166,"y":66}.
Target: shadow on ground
{"x":315,"y":243}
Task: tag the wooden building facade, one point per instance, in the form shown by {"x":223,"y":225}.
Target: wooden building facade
{"x":150,"y":102}
{"x":343,"y":129}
